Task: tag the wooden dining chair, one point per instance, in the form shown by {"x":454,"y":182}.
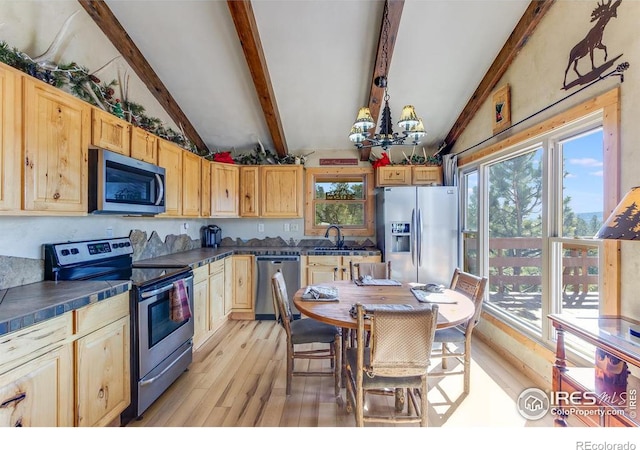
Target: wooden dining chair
{"x":455,"y":342}
{"x":377,"y":270}
{"x":305,"y":331}
{"x":397,"y":359}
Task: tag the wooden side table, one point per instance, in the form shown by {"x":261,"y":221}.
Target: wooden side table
{"x":604,"y":394}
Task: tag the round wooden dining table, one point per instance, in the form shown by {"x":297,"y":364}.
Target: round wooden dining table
{"x":454,"y":308}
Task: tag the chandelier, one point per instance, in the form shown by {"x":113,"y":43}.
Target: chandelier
{"x":411,"y":126}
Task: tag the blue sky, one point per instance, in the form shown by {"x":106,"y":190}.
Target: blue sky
{"x":583,"y":162}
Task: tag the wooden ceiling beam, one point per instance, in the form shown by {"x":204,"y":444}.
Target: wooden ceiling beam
{"x":376,"y":94}
{"x":517,"y":40}
{"x":111,"y":27}
{"x":247,"y":29}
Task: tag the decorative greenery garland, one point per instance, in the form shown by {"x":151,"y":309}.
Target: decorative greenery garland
{"x":78,"y":81}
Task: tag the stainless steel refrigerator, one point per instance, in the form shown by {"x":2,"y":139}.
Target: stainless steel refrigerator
{"x":417,"y":230}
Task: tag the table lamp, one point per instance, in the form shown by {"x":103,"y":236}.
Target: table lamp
{"x":624,"y":224}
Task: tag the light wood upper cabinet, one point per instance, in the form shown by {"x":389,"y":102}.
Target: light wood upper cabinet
{"x":170,"y":157}
{"x":110,"y":132}
{"x":57,"y":129}
{"x":426,"y":175}
{"x":191,"y":183}
{"x":39,"y":393}
{"x":224,"y":190}
{"x":205,"y":190}
{"x":281,"y":191}
{"x":393,"y":176}
{"x":144,"y":145}
{"x":249,"y":176}
{"x":10,"y":139}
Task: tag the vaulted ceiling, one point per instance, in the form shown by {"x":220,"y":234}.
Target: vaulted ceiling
{"x":291,"y":74}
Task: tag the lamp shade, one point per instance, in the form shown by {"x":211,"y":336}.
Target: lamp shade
{"x":417,"y":132}
{"x":364,"y":121}
{"x":408,"y":118}
{"x":624,"y":221}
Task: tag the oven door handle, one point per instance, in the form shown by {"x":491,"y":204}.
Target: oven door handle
{"x":166,"y":369}
{"x":146,"y":295}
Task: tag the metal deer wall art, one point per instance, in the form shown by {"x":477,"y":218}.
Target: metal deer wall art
{"x":601,"y":15}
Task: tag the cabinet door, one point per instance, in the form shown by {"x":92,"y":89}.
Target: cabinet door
{"x":10,"y":139}
{"x":144,"y":145}
{"x":110,"y":132}
{"x":281,"y":191}
{"x":243,"y":282}
{"x":224,"y":190}
{"x":427,"y":175}
{"x":170,"y":157}
{"x":57,"y":128}
{"x":228,"y":285}
{"x":205,"y":189}
{"x":102,"y":374}
{"x":322,"y":269}
{"x":216,"y":296}
{"x":249,"y":191}
{"x":39,"y":393}
{"x":393,"y":176}
{"x":191,"y":184}
{"x":200,"y":312}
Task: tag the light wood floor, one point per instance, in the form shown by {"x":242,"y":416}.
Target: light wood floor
{"x":237,"y":379}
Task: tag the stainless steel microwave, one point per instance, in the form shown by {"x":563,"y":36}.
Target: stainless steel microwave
{"x":122,"y":185}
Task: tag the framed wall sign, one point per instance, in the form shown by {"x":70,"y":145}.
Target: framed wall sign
{"x":501,"y":109}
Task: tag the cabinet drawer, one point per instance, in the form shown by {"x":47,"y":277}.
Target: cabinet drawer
{"x":27,"y":341}
{"x":216,"y":267}
{"x":324,"y":260}
{"x":393,"y":176}
{"x":102,"y":313}
{"x":200,"y":274}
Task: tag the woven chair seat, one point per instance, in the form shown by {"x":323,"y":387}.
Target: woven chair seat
{"x":380,"y":381}
{"x":307,"y":331}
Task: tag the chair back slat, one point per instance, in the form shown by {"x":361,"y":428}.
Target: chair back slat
{"x":379,"y":271}
{"x":473,"y":287}
{"x":279,"y":290}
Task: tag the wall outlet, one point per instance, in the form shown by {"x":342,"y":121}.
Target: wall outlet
{"x":294,"y":227}
{"x":184,"y":227}
{"x":260,"y":228}
{"x":109,"y":232}
{"x":286,"y":227}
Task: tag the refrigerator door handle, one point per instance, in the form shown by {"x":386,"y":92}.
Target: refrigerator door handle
{"x":419,"y":237}
{"x":413,"y":236}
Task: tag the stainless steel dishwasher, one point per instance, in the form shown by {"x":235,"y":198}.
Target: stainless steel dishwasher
{"x":289,"y":265}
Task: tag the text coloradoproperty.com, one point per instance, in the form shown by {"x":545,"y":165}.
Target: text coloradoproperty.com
{"x":591,"y":445}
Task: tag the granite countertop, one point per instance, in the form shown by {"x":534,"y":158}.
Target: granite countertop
{"x":205,"y":255}
{"x":22,"y":306}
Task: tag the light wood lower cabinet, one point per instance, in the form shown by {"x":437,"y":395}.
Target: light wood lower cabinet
{"x":70,"y":370}
{"x":228,"y":285}
{"x":243,"y":289}
{"x":102,"y":374}
{"x":39,"y":393}
{"x":326,"y":268}
{"x":212,"y":293}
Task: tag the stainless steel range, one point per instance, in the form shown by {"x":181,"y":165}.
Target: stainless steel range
{"x":161,"y":348}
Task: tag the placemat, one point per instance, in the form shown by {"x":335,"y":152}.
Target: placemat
{"x":431,"y":297}
{"x":377,"y":282}
{"x":320,"y":294}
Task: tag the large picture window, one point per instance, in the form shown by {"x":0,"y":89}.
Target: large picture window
{"x":342,"y":197}
{"x":531,"y":208}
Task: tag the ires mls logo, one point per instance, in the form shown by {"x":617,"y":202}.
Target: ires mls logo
{"x":534,"y":403}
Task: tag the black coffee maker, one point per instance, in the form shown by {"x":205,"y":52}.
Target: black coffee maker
{"x":211,"y":236}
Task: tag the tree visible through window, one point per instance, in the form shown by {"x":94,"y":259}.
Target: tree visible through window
{"x":342,"y":197}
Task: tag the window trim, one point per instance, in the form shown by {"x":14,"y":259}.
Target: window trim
{"x":608,"y":106}
{"x":338,"y":173}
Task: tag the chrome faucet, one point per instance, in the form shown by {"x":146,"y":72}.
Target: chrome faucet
{"x":340,"y":239}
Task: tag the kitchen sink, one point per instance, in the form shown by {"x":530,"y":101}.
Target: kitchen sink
{"x":345,"y":248}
